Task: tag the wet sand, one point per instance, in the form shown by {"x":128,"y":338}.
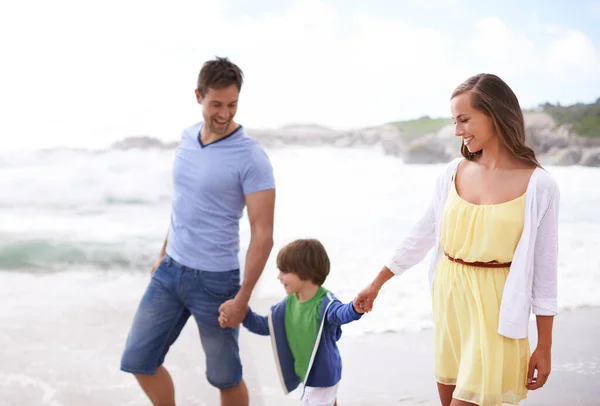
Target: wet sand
{"x":55,"y":353}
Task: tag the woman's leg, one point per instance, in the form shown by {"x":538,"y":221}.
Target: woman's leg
{"x":445,"y":392}
{"x":456,"y":402}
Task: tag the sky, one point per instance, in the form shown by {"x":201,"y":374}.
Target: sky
{"x":85,"y":74}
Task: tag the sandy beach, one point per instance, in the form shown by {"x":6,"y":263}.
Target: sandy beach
{"x":59,"y":354}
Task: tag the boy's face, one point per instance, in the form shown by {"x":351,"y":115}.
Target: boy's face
{"x":291,"y":282}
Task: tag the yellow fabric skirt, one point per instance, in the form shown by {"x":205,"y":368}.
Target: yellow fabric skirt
{"x":488,"y":369}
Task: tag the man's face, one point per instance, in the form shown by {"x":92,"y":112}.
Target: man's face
{"x":218,"y":108}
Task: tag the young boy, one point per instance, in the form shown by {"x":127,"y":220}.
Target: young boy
{"x":305,"y":326}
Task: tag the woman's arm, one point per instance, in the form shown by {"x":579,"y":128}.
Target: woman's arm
{"x":545,"y":261}
{"x":415,"y":246}
{"x":544,"y":289}
{"x":409,"y":253}
{"x":541,"y":357}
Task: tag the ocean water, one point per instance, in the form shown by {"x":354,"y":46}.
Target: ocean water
{"x":79,"y":229}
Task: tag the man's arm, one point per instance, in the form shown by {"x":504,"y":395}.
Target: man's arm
{"x":261,"y":210}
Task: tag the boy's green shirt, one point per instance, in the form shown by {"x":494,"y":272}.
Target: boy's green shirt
{"x":302,"y":321}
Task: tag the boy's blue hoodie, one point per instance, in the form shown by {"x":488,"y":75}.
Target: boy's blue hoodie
{"x":325,"y":365}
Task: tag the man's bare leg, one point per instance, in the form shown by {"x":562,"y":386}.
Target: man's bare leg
{"x":158,"y":387}
{"x":236,"y":396}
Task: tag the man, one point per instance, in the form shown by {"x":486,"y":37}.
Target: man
{"x":218,"y":171}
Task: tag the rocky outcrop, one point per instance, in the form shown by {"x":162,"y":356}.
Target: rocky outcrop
{"x":554,"y":145}
{"x":143,"y":142}
{"x":562,"y":156}
{"x":591,"y":157}
{"x":558,"y":145}
{"x":312,"y":135}
{"x":426,"y":150}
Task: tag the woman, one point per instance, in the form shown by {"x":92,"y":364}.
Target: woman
{"x":493,"y":223}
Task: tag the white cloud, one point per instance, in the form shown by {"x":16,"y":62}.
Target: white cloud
{"x":566,"y":55}
{"x":595,"y":8}
{"x":96,"y":74}
{"x":88,"y":74}
{"x":572,"y":55}
{"x":498,"y":48}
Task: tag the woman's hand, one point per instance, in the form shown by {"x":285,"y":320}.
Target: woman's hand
{"x":363,"y":302}
{"x":540,"y":361}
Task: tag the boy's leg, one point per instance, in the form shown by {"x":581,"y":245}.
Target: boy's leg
{"x":158,"y":321}
{"x":320,"y":396}
{"x":221,"y":348}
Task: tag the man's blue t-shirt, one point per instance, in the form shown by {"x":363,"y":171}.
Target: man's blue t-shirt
{"x":209,"y":185}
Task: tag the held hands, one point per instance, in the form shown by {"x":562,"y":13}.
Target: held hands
{"x":540,"y":361}
{"x":232,"y":312}
{"x":363,"y":302}
{"x":222,"y":320}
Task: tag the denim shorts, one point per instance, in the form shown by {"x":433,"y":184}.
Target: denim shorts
{"x":174,"y":293}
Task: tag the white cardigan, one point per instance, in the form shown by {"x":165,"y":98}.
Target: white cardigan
{"x":532,"y":281}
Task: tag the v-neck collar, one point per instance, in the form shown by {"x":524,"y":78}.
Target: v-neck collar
{"x":202,"y":145}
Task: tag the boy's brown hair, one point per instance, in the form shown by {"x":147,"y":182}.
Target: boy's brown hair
{"x":306,"y":258}
{"x":219,"y":73}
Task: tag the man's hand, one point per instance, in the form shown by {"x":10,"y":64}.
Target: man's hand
{"x":156,"y":265}
{"x":363,"y":302}
{"x":163,"y":252}
{"x":232,"y":312}
{"x":540,"y":361}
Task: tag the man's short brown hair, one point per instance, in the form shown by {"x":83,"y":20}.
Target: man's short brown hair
{"x":219,"y":73}
{"x":306,"y":258}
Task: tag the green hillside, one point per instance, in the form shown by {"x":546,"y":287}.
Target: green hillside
{"x":421,"y":126}
{"x":584,"y":120}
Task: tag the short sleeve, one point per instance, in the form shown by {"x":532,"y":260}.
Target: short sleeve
{"x":257,"y":171}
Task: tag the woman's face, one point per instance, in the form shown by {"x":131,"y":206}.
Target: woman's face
{"x":474,"y":127}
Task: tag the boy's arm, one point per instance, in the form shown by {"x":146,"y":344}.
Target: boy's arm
{"x":342,"y":313}
{"x":256,"y":323}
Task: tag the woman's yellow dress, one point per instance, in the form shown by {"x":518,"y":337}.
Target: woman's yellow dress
{"x":487,"y":368}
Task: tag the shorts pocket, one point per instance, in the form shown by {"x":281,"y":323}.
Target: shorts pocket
{"x":222,"y":285}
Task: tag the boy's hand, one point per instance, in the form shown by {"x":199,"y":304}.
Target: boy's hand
{"x":234,"y":311}
{"x":222,"y":320}
{"x":357,"y":307}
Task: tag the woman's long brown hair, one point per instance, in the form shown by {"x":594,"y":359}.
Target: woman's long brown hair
{"x":492,"y":96}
